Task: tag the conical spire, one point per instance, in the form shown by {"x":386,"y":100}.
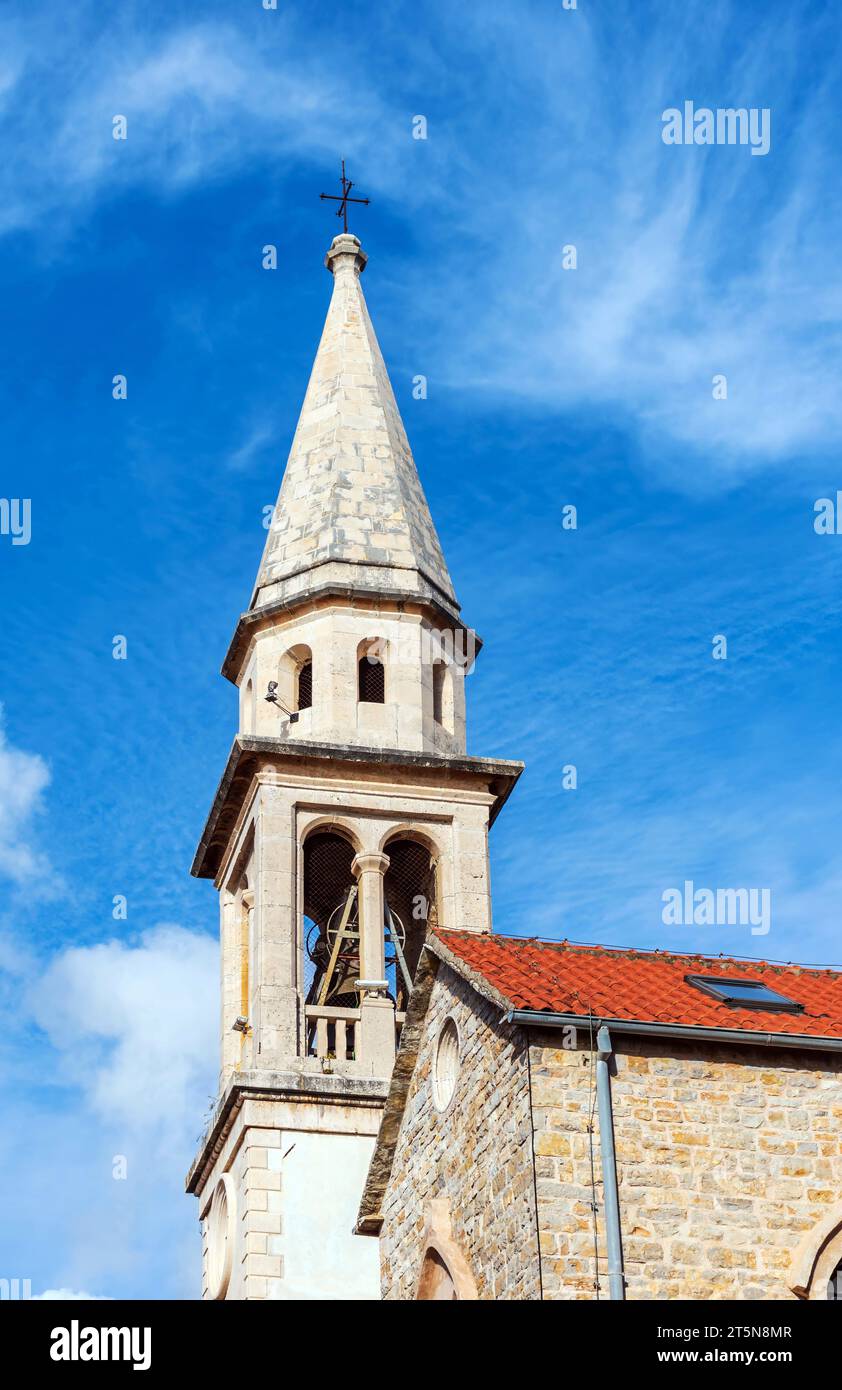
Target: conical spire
{"x":351,"y":510}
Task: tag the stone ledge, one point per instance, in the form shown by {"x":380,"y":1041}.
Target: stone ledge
{"x":321,"y":1087}
{"x":429,"y":596}
{"x":247,"y":749}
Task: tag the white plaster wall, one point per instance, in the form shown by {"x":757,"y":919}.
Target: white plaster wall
{"x":323,"y":1177}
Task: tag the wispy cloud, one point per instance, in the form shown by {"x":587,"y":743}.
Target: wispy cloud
{"x":258,"y":438}
{"x":200,"y":100}
{"x":23,"y":779}
{"x":68,"y":1296}
{"x":693,"y":262}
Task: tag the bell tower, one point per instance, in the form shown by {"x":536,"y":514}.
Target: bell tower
{"x":349,"y":820}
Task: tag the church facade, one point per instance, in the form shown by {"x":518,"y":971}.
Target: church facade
{"x":410,"y":1105}
{"x":577,"y":1122}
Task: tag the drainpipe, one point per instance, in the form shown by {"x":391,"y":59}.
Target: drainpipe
{"x":616,"y":1281}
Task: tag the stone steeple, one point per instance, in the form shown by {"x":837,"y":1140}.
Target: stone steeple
{"x":348,"y":819}
{"x":351,"y":510}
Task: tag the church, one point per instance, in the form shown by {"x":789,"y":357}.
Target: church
{"x":413,"y":1106}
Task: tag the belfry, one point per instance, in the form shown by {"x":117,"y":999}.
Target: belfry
{"x":348,"y":820}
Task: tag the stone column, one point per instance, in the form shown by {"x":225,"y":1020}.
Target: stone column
{"x":376,"y":1045}
{"x":274,"y":991}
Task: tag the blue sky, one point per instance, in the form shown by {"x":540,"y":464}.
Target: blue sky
{"x":546,"y":387}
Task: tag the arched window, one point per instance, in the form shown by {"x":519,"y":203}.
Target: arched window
{"x":834,"y":1285}
{"x":305,"y":686}
{"x":410,"y":894}
{"x":331,"y":945}
{"x":371,"y":673}
{"x":247,"y":717}
{"x":295,"y":678}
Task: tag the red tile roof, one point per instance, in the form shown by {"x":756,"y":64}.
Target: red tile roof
{"x":644,"y":986}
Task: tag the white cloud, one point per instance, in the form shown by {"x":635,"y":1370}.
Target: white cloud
{"x":23,"y":779}
{"x":134,"y":1026}
{"x":127,"y":1066}
{"x":259,"y":437}
{"x":68,"y":1296}
{"x":693,"y":262}
{"x":200,"y":100}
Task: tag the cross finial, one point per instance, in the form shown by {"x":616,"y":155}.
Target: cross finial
{"x":344,"y":199}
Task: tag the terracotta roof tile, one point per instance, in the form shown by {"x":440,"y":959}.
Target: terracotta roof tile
{"x":644,"y":986}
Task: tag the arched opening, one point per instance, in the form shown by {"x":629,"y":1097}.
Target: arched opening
{"x":304,"y":698}
{"x":816,"y":1269}
{"x":328,"y":884}
{"x":410,"y":894}
{"x":295,"y":678}
{"x":248,"y":710}
{"x":445,"y":1274}
{"x":436,"y":1283}
{"x":371,"y":673}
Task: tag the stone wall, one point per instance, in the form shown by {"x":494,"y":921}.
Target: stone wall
{"x":726,"y":1155}
{"x":477,"y":1154}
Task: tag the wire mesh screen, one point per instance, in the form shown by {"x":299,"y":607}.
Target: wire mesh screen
{"x":331,"y":929}
{"x":410,"y":894}
{"x":372,"y":679}
{"x":327,"y":880}
{"x":305,"y":686}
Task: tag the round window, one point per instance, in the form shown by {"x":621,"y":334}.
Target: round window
{"x":446,"y":1067}
{"x":221,"y":1228}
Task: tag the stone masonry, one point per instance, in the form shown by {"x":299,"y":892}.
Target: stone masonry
{"x":477,"y":1154}
{"x":729,"y":1161}
{"x":351,"y":497}
{"x":726,"y":1157}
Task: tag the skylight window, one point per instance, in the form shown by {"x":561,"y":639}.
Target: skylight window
{"x":744,"y":994}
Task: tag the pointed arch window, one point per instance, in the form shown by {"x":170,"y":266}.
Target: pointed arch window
{"x":436,"y":1283}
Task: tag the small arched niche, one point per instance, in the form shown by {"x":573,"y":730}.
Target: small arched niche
{"x":247,"y":707}
{"x":371,"y":671}
{"x":443,"y":702}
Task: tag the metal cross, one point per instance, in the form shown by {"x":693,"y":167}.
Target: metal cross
{"x":344,"y":200}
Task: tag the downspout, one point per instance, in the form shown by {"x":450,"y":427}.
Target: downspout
{"x":616,"y":1280}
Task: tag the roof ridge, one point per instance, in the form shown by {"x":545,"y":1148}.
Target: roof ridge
{"x":645,"y":952}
